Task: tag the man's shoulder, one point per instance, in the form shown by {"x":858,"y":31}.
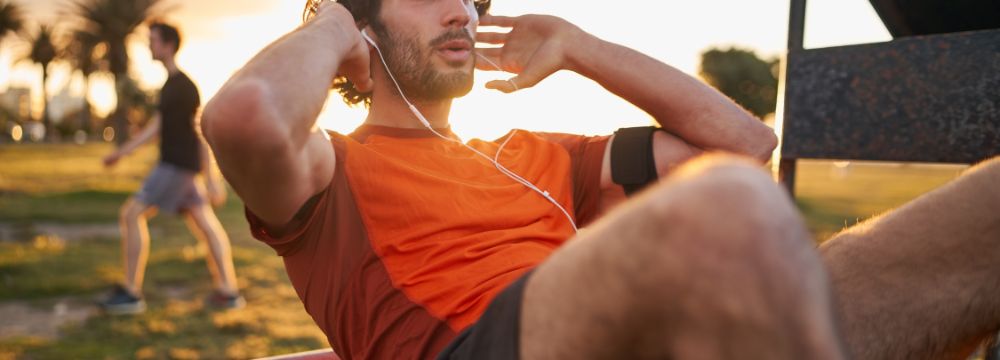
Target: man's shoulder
{"x":181,"y":80}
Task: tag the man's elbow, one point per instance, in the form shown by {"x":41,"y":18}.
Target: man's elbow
{"x":237,"y":115}
{"x":766,"y":142}
{"x":760,"y":141}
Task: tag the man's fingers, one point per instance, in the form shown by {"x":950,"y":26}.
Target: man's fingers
{"x":363,"y":84}
{"x":488,"y":59}
{"x":489,"y":52}
{"x":359,"y":71}
{"x":362,"y":79}
{"x":505,"y":86}
{"x":495,"y":20}
{"x":491,"y":37}
{"x":533,"y":73}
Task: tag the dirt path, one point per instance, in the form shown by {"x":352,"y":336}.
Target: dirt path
{"x":69,"y":232}
{"x":29,"y":318}
{"x":21,"y":318}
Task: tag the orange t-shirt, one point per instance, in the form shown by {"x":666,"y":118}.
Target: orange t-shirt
{"x":416,"y":235}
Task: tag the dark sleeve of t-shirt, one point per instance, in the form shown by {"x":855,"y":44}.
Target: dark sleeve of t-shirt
{"x":587,"y":158}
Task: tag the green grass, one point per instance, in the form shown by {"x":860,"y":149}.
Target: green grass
{"x":66,"y":184}
{"x":832,"y":198}
{"x":47,"y":169}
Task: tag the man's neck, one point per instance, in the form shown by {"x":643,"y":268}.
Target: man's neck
{"x":389,"y":109}
{"x":171,"y":66}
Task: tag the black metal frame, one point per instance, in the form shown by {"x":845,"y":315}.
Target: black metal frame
{"x":895,"y":118}
{"x":930,"y":98}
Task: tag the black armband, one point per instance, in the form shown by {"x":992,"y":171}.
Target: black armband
{"x":632,"y":163}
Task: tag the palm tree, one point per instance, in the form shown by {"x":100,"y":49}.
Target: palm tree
{"x":11,"y":19}
{"x":81,"y":54}
{"x":43,"y":52}
{"x":10,"y":22}
{"x":112,"y":21}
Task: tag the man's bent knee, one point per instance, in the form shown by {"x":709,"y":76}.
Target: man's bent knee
{"x":991,"y":165}
{"x":729,"y":194}
{"x":728,"y":238}
{"x":132,"y":210}
{"x":720,"y":217}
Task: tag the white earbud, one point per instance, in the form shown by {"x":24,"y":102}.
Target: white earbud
{"x":364,"y":34}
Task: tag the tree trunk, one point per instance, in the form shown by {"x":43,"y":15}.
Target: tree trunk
{"x":86,"y":121}
{"x":50,"y":134}
{"x":118,"y":58}
{"x":120,"y":117}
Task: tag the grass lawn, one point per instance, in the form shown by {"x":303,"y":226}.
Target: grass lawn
{"x":66,"y":185}
{"x":833,"y":197}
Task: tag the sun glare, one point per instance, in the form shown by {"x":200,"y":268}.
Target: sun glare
{"x":219,"y":41}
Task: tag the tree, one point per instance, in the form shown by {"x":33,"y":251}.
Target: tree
{"x":743,"y":76}
{"x":11,"y":19}
{"x":112,"y":21}
{"x":43,"y":52}
{"x":83,"y":53}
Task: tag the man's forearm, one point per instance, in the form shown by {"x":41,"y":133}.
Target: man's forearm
{"x":680,"y":103}
{"x":141,"y":138}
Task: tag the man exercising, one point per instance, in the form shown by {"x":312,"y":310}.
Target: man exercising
{"x":405,"y":242}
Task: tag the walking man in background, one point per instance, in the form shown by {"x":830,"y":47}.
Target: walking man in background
{"x":173,"y":186}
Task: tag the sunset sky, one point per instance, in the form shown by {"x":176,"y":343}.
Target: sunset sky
{"x":221,"y":35}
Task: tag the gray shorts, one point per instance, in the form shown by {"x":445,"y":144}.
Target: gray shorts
{"x":171,"y":189}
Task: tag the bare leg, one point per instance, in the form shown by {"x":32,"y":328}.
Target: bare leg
{"x":923,"y":281}
{"x":135,"y":242}
{"x":713,"y":263}
{"x":205,"y":226}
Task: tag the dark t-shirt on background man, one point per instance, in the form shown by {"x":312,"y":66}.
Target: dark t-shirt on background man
{"x":179,"y":102}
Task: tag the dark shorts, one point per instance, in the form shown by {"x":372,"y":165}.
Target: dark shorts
{"x":171,"y":189}
{"x":496,"y":336}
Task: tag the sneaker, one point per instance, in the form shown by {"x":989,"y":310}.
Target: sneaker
{"x":121,"y":302}
{"x":219,"y":300}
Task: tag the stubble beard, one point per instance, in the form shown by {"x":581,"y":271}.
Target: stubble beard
{"x":412,"y":66}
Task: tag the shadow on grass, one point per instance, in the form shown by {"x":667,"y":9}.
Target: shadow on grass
{"x":48,"y":267}
{"x":176,"y":330}
{"x":177,"y":325}
{"x":72,"y":207}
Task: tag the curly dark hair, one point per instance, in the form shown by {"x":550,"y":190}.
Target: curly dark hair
{"x":365,"y":12}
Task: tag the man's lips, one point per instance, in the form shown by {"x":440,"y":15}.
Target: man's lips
{"x":455,"y":51}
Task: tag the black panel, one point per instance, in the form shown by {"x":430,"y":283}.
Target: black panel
{"x":926,"y":17}
{"x":932,"y":99}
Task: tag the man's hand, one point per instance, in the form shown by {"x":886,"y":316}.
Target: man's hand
{"x":356,"y":65}
{"x":112,"y":159}
{"x":537,"y":46}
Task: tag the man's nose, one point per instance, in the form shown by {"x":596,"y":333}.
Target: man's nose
{"x":457,"y":13}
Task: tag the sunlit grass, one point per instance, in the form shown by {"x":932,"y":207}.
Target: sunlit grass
{"x":834,"y":196}
{"x":68,"y":184}
{"x":47,"y":168}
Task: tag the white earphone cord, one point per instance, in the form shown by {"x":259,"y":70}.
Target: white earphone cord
{"x":495,"y":160}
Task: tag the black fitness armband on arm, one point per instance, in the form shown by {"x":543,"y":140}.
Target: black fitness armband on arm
{"x":632,"y":163}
